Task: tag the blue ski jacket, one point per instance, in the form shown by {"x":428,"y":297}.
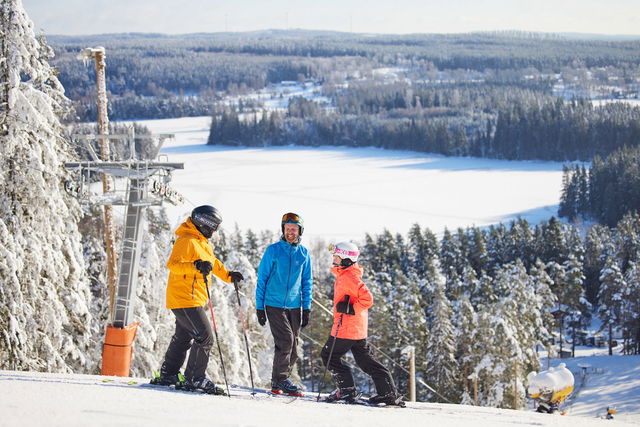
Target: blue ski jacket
{"x":285,"y":279}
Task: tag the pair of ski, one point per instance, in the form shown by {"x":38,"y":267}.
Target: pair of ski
{"x":181,"y":385}
{"x":359,"y":399}
{"x":290,"y":397}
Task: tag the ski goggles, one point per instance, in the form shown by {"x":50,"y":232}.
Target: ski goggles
{"x":292,"y":218}
{"x":206,"y":221}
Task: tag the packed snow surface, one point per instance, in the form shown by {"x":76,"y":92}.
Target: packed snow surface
{"x":31,"y":398}
{"x":343,"y":193}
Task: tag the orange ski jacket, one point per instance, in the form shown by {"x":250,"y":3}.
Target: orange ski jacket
{"x":186,"y":287}
{"x":349,"y":282}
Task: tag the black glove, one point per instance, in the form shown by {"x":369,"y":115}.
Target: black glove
{"x":262,"y":317}
{"x":236,"y":276}
{"x":345,"y":307}
{"x":305,"y":318}
{"x":203,"y":267}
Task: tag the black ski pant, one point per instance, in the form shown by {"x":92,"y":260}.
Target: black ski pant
{"x":193,"y":331}
{"x":362,"y":354}
{"x":285,"y":325}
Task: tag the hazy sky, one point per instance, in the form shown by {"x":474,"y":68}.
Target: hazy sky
{"x":361,"y":16}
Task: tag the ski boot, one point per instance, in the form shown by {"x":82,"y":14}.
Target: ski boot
{"x":168,"y":380}
{"x":347,"y":394}
{"x":203,"y":385}
{"x":389,"y":399}
{"x":286,"y":387}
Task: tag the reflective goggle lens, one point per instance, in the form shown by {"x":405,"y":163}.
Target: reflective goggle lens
{"x":291,"y":217}
{"x":204,"y":220}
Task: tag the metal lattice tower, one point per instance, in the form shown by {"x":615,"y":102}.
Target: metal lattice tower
{"x":146,"y":186}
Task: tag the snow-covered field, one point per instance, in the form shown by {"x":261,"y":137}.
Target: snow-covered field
{"x":601,"y":381}
{"x":32,"y":398}
{"x":343,"y":193}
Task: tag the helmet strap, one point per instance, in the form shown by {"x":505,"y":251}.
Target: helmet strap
{"x":346,"y":262}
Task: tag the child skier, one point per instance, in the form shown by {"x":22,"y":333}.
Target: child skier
{"x":190,"y":263}
{"x":351,"y":300}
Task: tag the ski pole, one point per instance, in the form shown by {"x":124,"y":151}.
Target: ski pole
{"x":215,"y":331}
{"x":333,"y":344}
{"x":246,"y":340}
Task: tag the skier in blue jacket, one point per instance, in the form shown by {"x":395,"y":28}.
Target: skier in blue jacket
{"x":283,"y":296}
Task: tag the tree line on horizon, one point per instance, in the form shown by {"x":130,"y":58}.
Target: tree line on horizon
{"x":190,"y":73}
{"x":461,"y":121}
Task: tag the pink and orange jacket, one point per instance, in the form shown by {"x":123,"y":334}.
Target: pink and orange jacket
{"x":349,"y":282}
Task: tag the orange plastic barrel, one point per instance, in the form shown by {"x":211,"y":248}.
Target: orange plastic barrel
{"x":117,"y":350}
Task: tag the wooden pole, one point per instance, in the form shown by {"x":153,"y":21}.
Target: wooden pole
{"x":107,"y":182}
{"x":515,"y":386}
{"x":412,"y":374}
{"x":475,"y":391}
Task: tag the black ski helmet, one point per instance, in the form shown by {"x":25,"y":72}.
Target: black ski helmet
{"x":206,"y":219}
{"x":292,"y":218}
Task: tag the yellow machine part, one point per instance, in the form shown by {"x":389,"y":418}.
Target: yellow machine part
{"x":561,"y":395}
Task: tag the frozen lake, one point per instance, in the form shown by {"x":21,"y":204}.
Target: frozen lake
{"x":343,"y":193}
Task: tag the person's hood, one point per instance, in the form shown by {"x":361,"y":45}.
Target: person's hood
{"x":187,"y":228}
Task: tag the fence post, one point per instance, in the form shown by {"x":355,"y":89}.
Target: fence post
{"x":412,"y":374}
{"x":475,"y":391}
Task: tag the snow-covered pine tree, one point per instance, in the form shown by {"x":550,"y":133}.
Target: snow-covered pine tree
{"x":497,"y":250}
{"x":597,"y":240}
{"x":44,"y":298}
{"x":478,"y":256}
{"x":507,"y":333}
{"x":252,"y":249}
{"x":464,"y":321}
{"x":542,"y":284}
{"x":553,"y":243}
{"x":441,"y":365}
{"x":412,"y":323}
{"x":484,"y":361}
{"x":422,"y":246}
{"x":610,"y":297}
{"x":451,"y":255}
{"x":520,"y":240}
{"x":469,"y":284}
{"x":573,"y":295}
{"x":628,"y":239}
{"x":631,"y":313}
{"x":397,"y":319}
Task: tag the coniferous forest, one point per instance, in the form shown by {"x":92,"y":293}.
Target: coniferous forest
{"x":477,"y":304}
{"x":505,"y":95}
{"x":474,"y":300}
{"x":604,"y":191}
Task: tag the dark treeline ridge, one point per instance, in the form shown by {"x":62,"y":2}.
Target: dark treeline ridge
{"x":605,"y":191}
{"x":522,"y":124}
{"x":477,"y":301}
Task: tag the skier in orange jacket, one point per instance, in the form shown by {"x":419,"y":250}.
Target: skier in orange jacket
{"x":351,"y":301}
{"x":190,"y":264}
